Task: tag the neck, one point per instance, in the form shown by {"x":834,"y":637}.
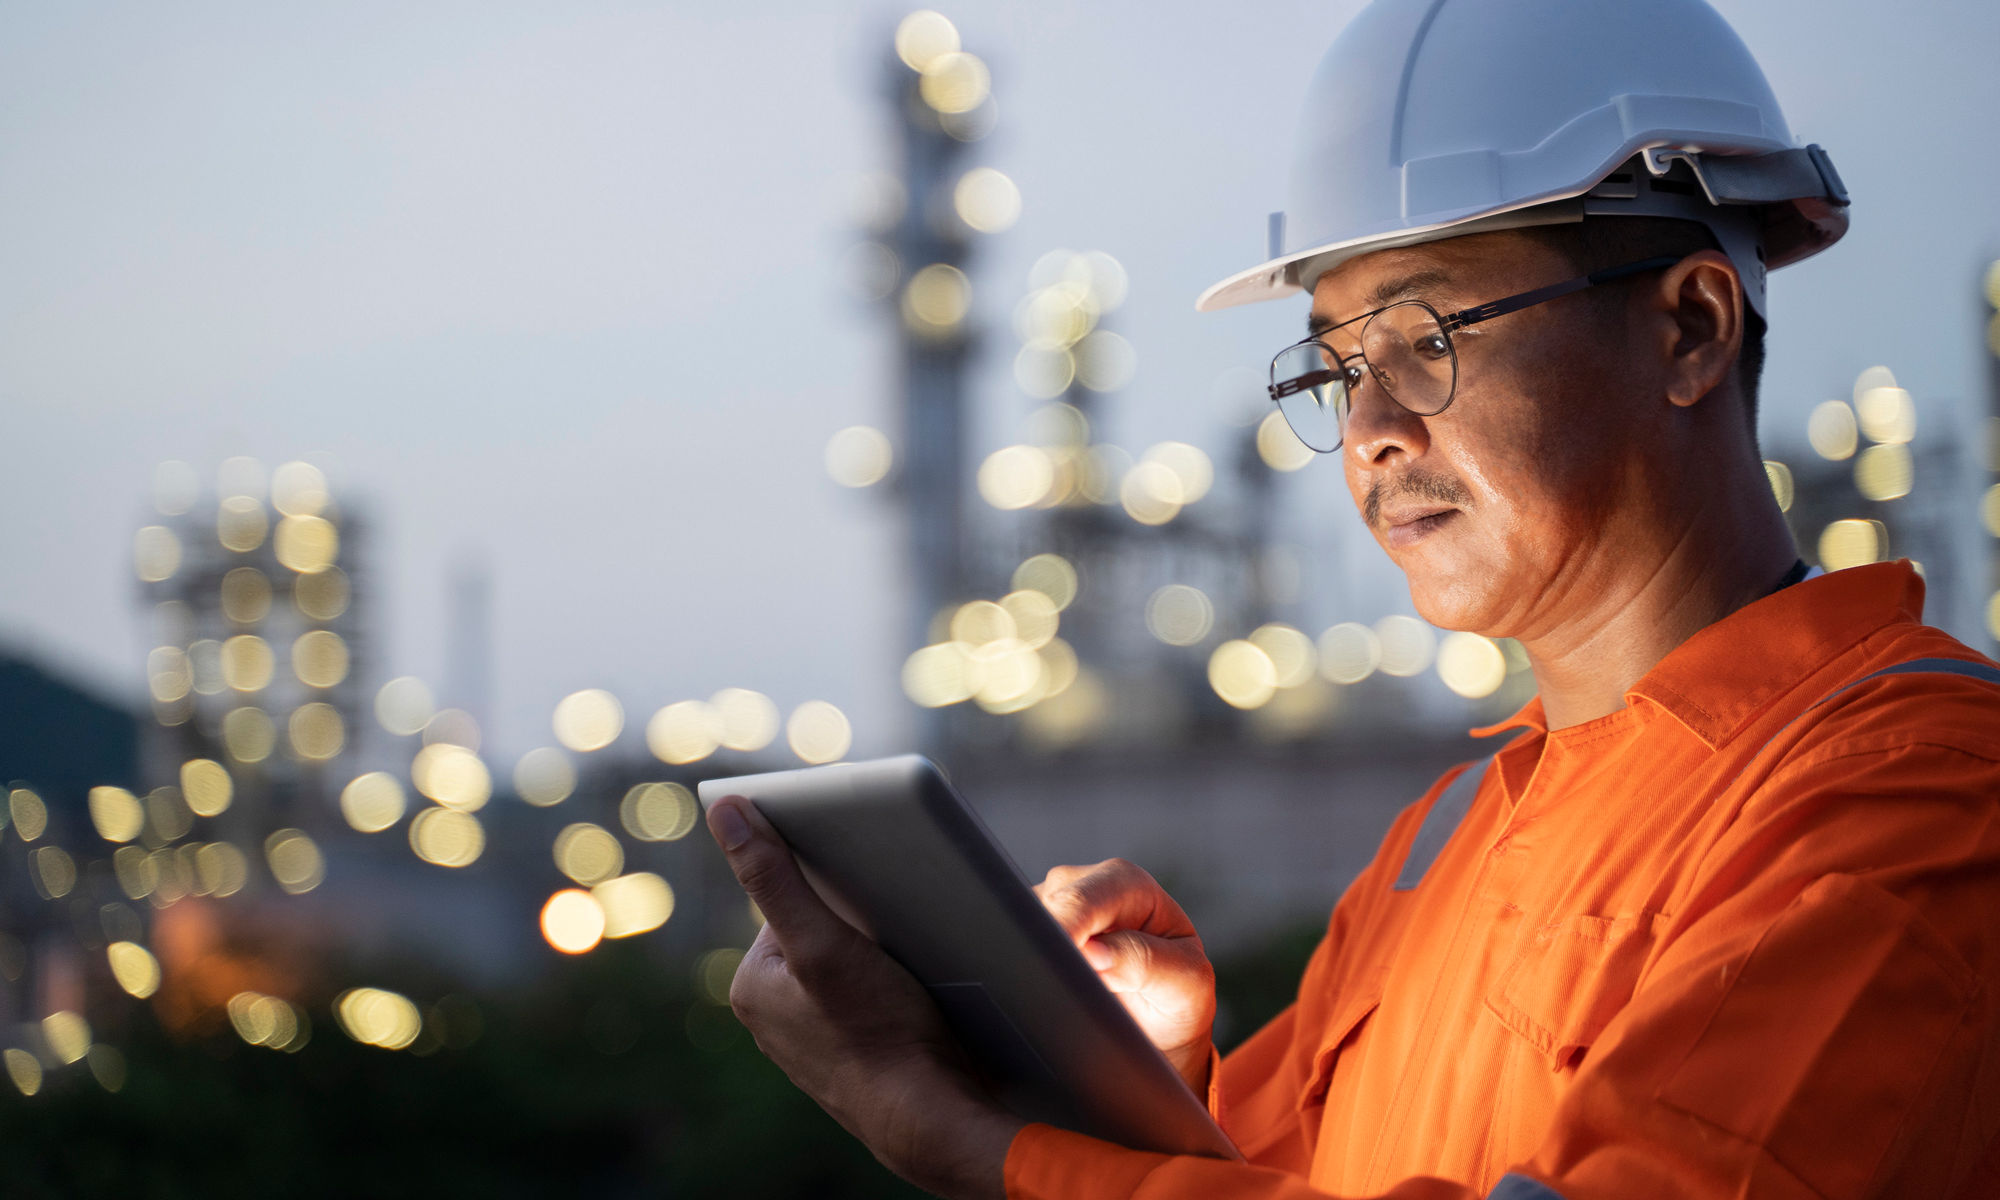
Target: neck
{"x":1727,"y":548}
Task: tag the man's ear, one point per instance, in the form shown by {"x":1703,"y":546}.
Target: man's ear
{"x":1698,"y":304}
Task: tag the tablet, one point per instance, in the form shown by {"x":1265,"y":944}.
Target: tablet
{"x":899,"y":855}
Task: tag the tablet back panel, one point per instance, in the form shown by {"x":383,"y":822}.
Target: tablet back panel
{"x":901,"y":857}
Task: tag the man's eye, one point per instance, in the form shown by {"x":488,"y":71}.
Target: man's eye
{"x":1433,"y":346}
{"x":1353,"y":375}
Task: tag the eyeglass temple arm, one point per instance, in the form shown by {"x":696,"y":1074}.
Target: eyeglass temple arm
{"x":1500,"y":308}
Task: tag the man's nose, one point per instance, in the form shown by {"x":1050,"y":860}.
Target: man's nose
{"x":1378,"y":427}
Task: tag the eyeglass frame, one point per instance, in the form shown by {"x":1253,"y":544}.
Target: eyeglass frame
{"x":1446,"y":323}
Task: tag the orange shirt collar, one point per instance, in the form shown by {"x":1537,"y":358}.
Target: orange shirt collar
{"x":1710,"y":685}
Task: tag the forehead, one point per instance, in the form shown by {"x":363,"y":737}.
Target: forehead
{"x":1447,"y":273}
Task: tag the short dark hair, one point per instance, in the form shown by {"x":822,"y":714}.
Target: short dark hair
{"x":1599,"y":242}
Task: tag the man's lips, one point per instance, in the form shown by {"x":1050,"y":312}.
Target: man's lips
{"x":1404,"y":527}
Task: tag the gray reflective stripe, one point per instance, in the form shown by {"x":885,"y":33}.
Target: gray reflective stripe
{"x":1916,"y":666}
{"x":1439,"y":823}
{"x":1520,"y":1187}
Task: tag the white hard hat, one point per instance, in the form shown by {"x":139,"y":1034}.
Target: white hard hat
{"x":1431,"y":119}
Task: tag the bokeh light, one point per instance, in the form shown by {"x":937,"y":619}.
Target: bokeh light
{"x":156,"y":553}
{"x":978,"y":622}
{"x":818,"y":732}
{"x":1471,"y":665}
{"x":1016,"y":477}
{"x":936,"y":300}
{"x":372,"y":802}
{"x":859,"y":456}
{"x":923,"y":37}
{"x":1290,"y":651}
{"x":268,"y":1021}
{"x":1051,"y":575}
{"x":241,"y":523}
{"x":683,"y":732}
{"x":544,"y":776}
{"x":1886,"y":415}
{"x":588,"y":720}
{"x":987,"y":200}
{"x":134,"y":967}
{"x":446,"y":837}
{"x":453,"y":725}
{"x":658,"y":812}
{"x":52,"y":871}
{"x":29,"y":814}
{"x":319,"y":658}
{"x":67,"y":1035}
{"x":1782,"y":487}
{"x":206,"y":786}
{"x":955,"y":82}
{"x":746,"y":720}
{"x":24,"y":1070}
{"x":404,"y":706}
{"x":220,"y":869}
{"x":1150,"y":493}
{"x":168,"y":814}
{"x":1105,"y":362}
{"x":116,"y":813}
{"x":1408,"y":645}
{"x":295,"y":860}
{"x":169,"y":675}
{"x":307,"y":545}
{"x":1884,"y":472}
{"x":298,"y":489}
{"x":1034,"y":616}
{"x":248,"y":735}
{"x":247,"y":663}
{"x":246,"y":595}
{"x":573,"y":921}
{"x":1852,"y":543}
{"x":376,"y":1017}
{"x":322,"y":596}
{"x":453,"y":776}
{"x":1833,"y":431}
{"x":317,"y":731}
{"x":634,"y":904}
{"x":1179,"y":614}
{"x":1242,"y":674}
{"x":1279,"y":447}
{"x":588,"y":853}
{"x":940,"y":674}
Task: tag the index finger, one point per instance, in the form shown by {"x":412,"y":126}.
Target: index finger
{"x":1113,"y":895}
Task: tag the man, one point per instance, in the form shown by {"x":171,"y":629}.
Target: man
{"x":1722,"y":915}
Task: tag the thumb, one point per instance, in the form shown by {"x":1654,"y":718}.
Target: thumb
{"x":765,"y":868}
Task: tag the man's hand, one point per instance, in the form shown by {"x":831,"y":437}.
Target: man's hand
{"x":852,"y":1028}
{"x":1145,"y":950}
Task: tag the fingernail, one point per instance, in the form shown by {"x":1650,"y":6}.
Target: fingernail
{"x":1097,"y":954}
{"x":730,"y":827}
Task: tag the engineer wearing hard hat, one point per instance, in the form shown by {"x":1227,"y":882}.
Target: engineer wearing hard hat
{"x":1720,"y":916}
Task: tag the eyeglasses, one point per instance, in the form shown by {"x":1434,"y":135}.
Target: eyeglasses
{"x":1406,"y":349}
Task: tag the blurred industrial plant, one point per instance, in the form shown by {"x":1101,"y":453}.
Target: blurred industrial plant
{"x":302,"y":854}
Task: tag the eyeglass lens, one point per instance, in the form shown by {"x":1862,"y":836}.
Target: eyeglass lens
{"x":1402,"y":349}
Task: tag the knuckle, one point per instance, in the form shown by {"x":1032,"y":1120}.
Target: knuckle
{"x":759,"y":872}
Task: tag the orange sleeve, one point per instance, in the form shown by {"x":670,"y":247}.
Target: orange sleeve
{"x":1820,"y":1020}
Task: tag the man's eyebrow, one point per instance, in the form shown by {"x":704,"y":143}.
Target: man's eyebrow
{"x":1400,"y":287}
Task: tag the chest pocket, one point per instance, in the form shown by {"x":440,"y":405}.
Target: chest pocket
{"x":1341,"y":1032}
{"x":1575,"y":976}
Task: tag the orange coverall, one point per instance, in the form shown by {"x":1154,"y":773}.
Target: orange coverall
{"x":1739,"y":938}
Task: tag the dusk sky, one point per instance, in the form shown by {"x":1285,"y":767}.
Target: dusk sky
{"x":559,"y":290}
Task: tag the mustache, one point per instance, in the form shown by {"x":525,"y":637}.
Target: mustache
{"x":1440,"y":489}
